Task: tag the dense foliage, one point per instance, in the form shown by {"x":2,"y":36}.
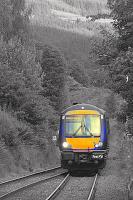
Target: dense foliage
{"x":122,"y":66}
{"x":54,"y":76}
{"x":122,"y":13}
{"x":115,"y":54}
{"x":14,"y":19}
{"x":79,"y":73}
{"x":31,"y":89}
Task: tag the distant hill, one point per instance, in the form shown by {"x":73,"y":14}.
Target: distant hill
{"x":73,"y":46}
{"x":69,"y":15}
{"x":91,"y":7}
{"x":74,"y":6}
{"x":63,"y":23}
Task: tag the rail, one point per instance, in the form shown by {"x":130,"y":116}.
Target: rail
{"x":30,"y":184}
{"x":93,"y":189}
{"x":30,"y":175}
{"x":56,"y":191}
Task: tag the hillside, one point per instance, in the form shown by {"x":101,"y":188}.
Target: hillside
{"x":68,"y":15}
{"x":63,"y":24}
{"x":73,"y":46}
{"x":74,"y":6}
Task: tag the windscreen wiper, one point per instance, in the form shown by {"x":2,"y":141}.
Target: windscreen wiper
{"x":74,"y":134}
{"x":88,"y":130}
{"x":76,"y":131}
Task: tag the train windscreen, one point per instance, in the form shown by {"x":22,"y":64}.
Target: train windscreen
{"x":82,"y":125}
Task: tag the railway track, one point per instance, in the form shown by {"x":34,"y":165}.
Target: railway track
{"x":57,"y":190}
{"x":13,"y":186}
{"x":30,"y":175}
{"x":91,"y":195}
{"x":55,"y":193}
{"x":49,"y":194}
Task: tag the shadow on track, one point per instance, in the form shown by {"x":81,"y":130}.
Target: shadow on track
{"x":84,"y":173}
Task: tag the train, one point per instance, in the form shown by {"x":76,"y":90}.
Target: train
{"x":83,"y":137}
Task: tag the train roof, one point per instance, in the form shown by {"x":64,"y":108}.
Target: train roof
{"x":86,"y":106}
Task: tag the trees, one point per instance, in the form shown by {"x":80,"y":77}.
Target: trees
{"x":20,"y":81}
{"x":78,"y":72}
{"x":14,"y":19}
{"x":122,"y":13}
{"x":115,"y":53}
{"x":121,"y":67}
{"x":31,"y":90}
{"x":54,"y":76}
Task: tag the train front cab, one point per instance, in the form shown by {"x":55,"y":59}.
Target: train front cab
{"x":83,"y":136}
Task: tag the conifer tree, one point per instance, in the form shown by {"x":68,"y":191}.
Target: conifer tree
{"x":54,"y":76}
{"x":122,"y":13}
{"x":14,"y":19}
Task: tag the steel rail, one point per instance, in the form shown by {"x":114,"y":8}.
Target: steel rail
{"x":62,"y":184}
{"x":30,"y":185}
{"x":93,"y":188}
{"x":30,"y":175}
{"x":129,"y":189}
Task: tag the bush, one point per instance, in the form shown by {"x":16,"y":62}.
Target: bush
{"x":12,"y":131}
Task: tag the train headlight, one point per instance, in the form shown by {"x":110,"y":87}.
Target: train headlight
{"x":100,"y":144}
{"x":66,"y":145}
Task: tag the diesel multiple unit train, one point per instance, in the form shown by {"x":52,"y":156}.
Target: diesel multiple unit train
{"x":83,"y":136}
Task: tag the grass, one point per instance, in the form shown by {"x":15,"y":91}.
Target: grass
{"x":16,"y":153}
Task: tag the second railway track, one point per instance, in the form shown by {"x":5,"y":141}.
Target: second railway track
{"x":30,"y":175}
{"x":11,"y":187}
